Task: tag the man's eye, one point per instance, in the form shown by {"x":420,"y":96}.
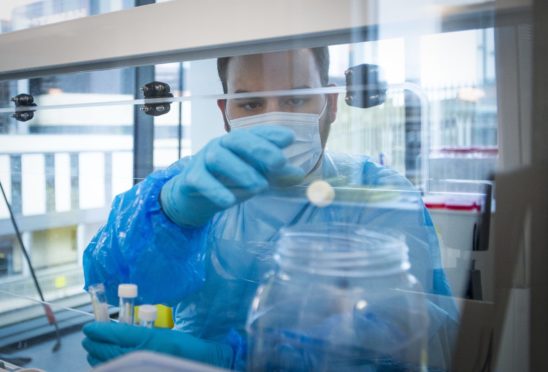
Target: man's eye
{"x":295,"y":101}
{"x":250,"y":105}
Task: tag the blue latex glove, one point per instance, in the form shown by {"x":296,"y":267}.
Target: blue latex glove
{"x":227,"y":171}
{"x":107,"y":341}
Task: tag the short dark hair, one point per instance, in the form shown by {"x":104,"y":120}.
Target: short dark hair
{"x":321,"y":55}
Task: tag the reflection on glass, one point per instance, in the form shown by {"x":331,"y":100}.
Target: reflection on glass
{"x":60,"y":172}
{"x":63,"y":168}
{"x":209,"y":248}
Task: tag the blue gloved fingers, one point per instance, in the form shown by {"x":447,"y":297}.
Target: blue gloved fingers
{"x":288,"y":175}
{"x":190,"y":347}
{"x":93,"y":361}
{"x":103,"y":351}
{"x":228,"y":170}
{"x":215,"y":353}
{"x":234,"y":172}
{"x":199,"y":182}
{"x":123,"y":335}
{"x":256,"y":150}
{"x":106,"y":341}
{"x":278,"y":135}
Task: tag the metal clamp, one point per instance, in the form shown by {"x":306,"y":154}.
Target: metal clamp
{"x":156,"y":89}
{"x":23,"y":100}
{"x":365,"y":86}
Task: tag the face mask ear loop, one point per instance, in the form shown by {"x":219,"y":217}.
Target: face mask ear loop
{"x":227,"y":118}
{"x":323,"y":109}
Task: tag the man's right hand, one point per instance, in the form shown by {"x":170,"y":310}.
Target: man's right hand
{"x":227,"y":171}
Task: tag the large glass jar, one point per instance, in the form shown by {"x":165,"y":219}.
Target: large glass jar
{"x":341,"y":299}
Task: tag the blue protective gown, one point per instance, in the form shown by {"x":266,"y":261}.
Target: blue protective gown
{"x":211,"y":273}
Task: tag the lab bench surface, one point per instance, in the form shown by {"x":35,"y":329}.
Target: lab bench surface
{"x":70,"y":357}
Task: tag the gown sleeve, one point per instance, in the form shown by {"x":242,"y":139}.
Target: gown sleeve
{"x":140,"y":245}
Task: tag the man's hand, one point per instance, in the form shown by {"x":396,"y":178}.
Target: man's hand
{"x":105,"y":341}
{"x":229,"y":170}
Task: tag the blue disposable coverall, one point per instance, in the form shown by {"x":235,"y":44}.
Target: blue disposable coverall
{"x":211,"y":273}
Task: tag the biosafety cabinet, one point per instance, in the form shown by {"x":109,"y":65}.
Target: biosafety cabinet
{"x":95,"y":95}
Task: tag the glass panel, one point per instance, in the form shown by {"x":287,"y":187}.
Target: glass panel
{"x":22,"y":14}
{"x":60,"y":172}
{"x":96,"y":118}
{"x":325,"y":207}
{"x":171,"y":135}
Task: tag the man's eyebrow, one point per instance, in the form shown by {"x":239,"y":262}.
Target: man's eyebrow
{"x":294,"y":88}
{"x":246,"y":98}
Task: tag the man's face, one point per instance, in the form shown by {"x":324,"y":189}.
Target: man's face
{"x":274,"y":72}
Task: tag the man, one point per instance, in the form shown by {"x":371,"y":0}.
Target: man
{"x":195,"y":235}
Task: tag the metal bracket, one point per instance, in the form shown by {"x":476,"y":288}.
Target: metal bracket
{"x":156,"y":89}
{"x":365,"y":86}
{"x":23,"y":100}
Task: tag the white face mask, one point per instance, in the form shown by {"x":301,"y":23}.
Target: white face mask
{"x":307,"y":149}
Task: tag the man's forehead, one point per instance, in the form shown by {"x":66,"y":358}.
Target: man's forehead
{"x":273,"y":71}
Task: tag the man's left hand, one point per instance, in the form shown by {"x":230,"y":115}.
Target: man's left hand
{"x":107,"y":341}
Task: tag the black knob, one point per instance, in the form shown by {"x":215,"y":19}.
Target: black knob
{"x":156,"y":89}
{"x":23,"y":100}
{"x":365,"y":86}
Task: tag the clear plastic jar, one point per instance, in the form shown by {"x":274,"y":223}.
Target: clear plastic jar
{"x":341,"y":299}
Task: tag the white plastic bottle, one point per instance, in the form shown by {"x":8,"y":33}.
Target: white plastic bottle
{"x":147,"y":315}
{"x":127,"y":294}
{"x":99,"y":302}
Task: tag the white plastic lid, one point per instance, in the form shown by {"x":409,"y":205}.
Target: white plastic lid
{"x":320,"y":193}
{"x":147,"y":312}
{"x":127,"y":290}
